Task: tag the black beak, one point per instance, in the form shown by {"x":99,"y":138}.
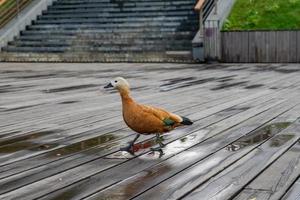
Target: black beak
{"x":108,"y":86}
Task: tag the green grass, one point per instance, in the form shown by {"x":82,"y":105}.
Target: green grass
{"x":264,"y":15}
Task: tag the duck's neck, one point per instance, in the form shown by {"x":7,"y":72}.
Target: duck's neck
{"x":125,"y":95}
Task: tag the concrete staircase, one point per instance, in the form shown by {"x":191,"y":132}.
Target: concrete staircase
{"x":108,"y":31}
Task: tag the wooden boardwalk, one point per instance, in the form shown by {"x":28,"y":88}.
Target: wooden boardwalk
{"x":61,"y":132}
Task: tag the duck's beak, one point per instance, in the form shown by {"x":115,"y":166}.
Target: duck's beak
{"x":108,"y":86}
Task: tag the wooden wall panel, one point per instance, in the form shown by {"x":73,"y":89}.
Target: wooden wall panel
{"x":260,"y":46}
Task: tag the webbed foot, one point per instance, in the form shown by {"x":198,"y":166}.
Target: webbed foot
{"x":129,"y":149}
{"x":158,"y":149}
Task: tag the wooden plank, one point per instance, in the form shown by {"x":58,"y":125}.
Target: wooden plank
{"x":244,"y":55}
{"x":277,"y":178}
{"x":18,"y":155}
{"x":173,"y":134}
{"x":50,"y":152}
{"x":247,"y":168}
{"x":263,"y":46}
{"x":298,"y":46}
{"x":255,"y":194}
{"x":294,"y":192}
{"x":72,"y":111}
{"x":260,"y":45}
{"x":86,"y":159}
{"x":232,"y":47}
{"x":183,"y":178}
{"x":282,"y":46}
{"x":292,"y":56}
{"x":130,"y":167}
{"x":223,"y":45}
{"x":271,"y":46}
{"x":253,"y":49}
{"x":41,"y":152}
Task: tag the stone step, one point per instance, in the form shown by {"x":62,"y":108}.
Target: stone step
{"x":77,"y":47}
{"x":173,"y":57}
{"x":113,"y":26}
{"x":114,"y":30}
{"x":116,"y":15}
{"x":121,"y":5}
{"x":120,"y":2}
{"x":101,"y":43}
{"x":108,"y":31}
{"x":151,"y":35}
{"x":124,"y":10}
{"x":105,"y":20}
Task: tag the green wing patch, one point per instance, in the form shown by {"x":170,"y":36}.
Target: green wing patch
{"x":168,"y":122}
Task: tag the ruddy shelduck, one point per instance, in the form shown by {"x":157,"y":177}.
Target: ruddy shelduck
{"x":145,"y":119}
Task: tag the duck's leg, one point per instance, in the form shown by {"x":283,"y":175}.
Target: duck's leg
{"x":161,"y":145}
{"x":159,"y":140}
{"x":129,"y":148}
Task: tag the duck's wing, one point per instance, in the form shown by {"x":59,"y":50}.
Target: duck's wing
{"x":167,"y":118}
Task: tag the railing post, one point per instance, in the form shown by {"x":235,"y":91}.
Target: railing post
{"x":198,"y":49}
{"x":199,"y":7}
{"x":18,"y":9}
{"x":216,"y":6}
{"x":201,"y":23}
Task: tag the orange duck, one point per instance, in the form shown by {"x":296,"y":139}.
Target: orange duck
{"x":145,"y":119}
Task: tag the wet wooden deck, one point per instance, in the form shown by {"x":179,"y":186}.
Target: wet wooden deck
{"x":61,"y":132}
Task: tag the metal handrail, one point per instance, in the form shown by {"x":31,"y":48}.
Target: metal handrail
{"x":199,"y":5}
{"x":204,"y":7}
{"x":10,"y":9}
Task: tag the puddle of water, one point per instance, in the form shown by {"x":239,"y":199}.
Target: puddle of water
{"x":286,"y":71}
{"x":11,"y":88}
{"x":31,"y":136}
{"x":174,"y":81}
{"x":68,"y":102}
{"x":254,"y":86}
{"x":9,"y":134}
{"x":237,"y":69}
{"x":258,"y":136}
{"x":213,"y":67}
{"x":21,"y":107}
{"x":138,"y":147}
{"x":280,"y":140}
{"x":15,"y":71}
{"x":63,"y":89}
{"x":226,"y":80}
{"x":169,"y":86}
{"x":229,"y":85}
{"x":83,"y":145}
{"x":232,"y":111}
{"x":189,"y":81}
{"x":20,"y":143}
{"x":31,"y":146}
{"x":36,"y":76}
{"x":69,"y":149}
{"x":283,"y":69}
{"x":65,"y":194}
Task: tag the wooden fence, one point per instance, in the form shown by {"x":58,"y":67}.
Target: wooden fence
{"x":212,"y":40}
{"x":260,"y":46}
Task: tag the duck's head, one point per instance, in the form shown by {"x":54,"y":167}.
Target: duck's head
{"x":119,"y":83}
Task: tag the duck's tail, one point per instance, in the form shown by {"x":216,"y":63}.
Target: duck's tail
{"x":186,"y":121}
